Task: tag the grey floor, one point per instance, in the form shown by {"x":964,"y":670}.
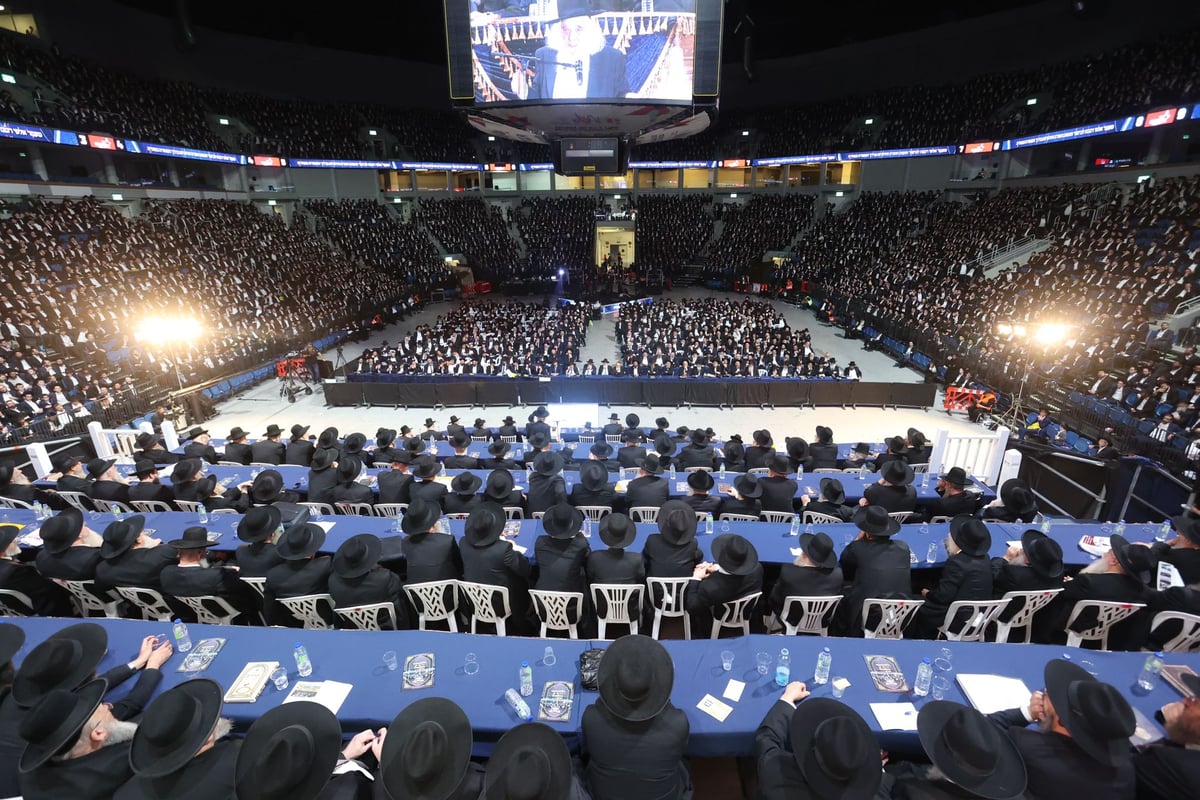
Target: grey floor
{"x":262,"y":405}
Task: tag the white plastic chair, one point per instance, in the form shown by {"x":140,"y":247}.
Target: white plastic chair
{"x":210,"y":609}
{"x":981,"y":614}
{"x":1189,"y":634}
{"x":612,"y":438}
{"x":939,"y":518}
{"x":390,"y":509}
{"x":739,"y":518}
{"x":1033,"y":602}
{"x":595,"y":513}
{"x":666,"y":598}
{"x":307,"y":609}
{"x":230,"y":464}
{"x":11,"y":503}
{"x":152,"y":604}
{"x":355,"y":509}
{"x":919,"y":468}
{"x":643,"y":514}
{"x":368,"y":617}
{"x":257,"y":584}
{"x":108,"y":506}
{"x":15,"y":604}
{"x":698,"y":469}
{"x":1107,"y":614}
{"x":189,"y":506}
{"x":814,"y":615}
{"x":483,"y":598}
{"x":558,"y":611}
{"x":759,"y":471}
{"x":77,"y":500}
{"x":324,"y":509}
{"x":216,"y":512}
{"x":151,"y":506}
{"x":617,"y":604}
{"x":480,"y":438}
{"x":901,"y":516}
{"x":817,"y":518}
{"x":513,"y":512}
{"x":827,"y":471}
{"x":434,"y":601}
{"x":894,"y":616}
{"x":778,"y":516}
{"x":86,"y":600}
{"x":587,"y":438}
{"x":734,"y":614}
{"x":509,"y":439}
{"x":266,"y":464}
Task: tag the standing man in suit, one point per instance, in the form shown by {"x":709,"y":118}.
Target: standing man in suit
{"x":735,"y":574}
{"x":432,"y":556}
{"x":131,"y":557}
{"x":194,"y":576}
{"x":148,"y":486}
{"x":302,"y":572}
{"x":537,"y":423}
{"x":357,"y":578}
{"x":269,"y":449}
{"x":299,"y":450}
{"x":815,"y":573}
{"x":967,"y":575}
{"x":649,"y":488}
{"x":490,"y":558}
{"x":778,"y":490}
{"x":954,"y":498}
{"x":236,"y":449}
{"x":198,"y":446}
{"x":107,"y":483}
{"x":873,"y":565}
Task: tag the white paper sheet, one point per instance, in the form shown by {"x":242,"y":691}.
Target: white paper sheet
{"x":733,"y":690}
{"x":991,"y":693}
{"x":895,"y":716}
{"x":325,"y":526}
{"x":714,"y":707}
{"x":1168,"y":576}
{"x":330,"y":694}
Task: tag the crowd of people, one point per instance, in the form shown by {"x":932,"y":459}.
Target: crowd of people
{"x":671,"y":230}
{"x":364,"y":230}
{"x":765,"y":222}
{"x":487,"y":338}
{"x":478,"y":230}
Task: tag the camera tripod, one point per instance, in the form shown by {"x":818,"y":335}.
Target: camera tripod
{"x":296,"y":379}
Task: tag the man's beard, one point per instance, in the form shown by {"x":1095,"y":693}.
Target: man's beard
{"x":119,"y":732}
{"x":1097,"y":567}
{"x":93,"y":539}
{"x":222,"y":728}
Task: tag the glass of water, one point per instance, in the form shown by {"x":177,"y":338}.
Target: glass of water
{"x":763,"y":662}
{"x":279,"y":678}
{"x":471,"y":664}
{"x":390,"y":661}
{"x":548,"y":657}
{"x":727,"y":660}
{"x":939,"y":686}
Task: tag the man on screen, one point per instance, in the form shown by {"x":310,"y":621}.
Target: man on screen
{"x":577,"y":61}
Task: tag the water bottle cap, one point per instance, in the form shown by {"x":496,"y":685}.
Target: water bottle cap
{"x":176,"y":620}
{"x":783,"y":651}
{"x":1158,"y":654}
{"x":826,"y":649}
{"x":524,"y":664}
{"x":927,"y":661}
{"x":299,"y":645}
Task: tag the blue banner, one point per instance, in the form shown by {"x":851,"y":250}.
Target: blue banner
{"x":535,"y":167}
{"x":336,"y":163}
{"x":783,"y":160}
{"x":672,"y":164}
{"x":902,"y":152}
{"x":171,"y":151}
{"x":1081,"y":132}
{"x":448,"y":166}
{"x":36,"y":133}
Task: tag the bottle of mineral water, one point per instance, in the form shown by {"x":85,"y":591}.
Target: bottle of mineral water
{"x":824,"y":662}
{"x":783,"y":668}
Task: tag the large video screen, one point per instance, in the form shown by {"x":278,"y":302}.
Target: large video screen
{"x":576,"y":50}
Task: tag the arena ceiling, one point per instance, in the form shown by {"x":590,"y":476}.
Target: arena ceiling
{"x":780,"y":28}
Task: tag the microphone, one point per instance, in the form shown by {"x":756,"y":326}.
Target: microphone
{"x":579,"y":71}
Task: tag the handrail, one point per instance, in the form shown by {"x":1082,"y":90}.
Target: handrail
{"x":1132,"y":494}
{"x":1002,"y":251}
{"x":1186,"y":306}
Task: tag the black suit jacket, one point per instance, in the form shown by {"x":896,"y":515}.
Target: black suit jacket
{"x":666,"y":560}
{"x":584,"y":497}
{"x":951,"y":505}
{"x":198,"y":581}
{"x":798,"y":581}
{"x":838,"y":510}
{"x":779,"y":777}
{"x":705,"y":503}
{"x":872,"y":568}
{"x":544,"y":492}
{"x":48,"y":598}
{"x":73,"y":483}
{"x":138,"y":567}
{"x":778,"y":494}
{"x":299,"y":452}
{"x":757,"y":457}
{"x":160,"y":456}
{"x":561,"y":563}
{"x":615,"y":566}
{"x":822,"y":456}
{"x":353,"y":493}
{"x":460,"y":462}
{"x":1128,"y":634}
{"x":432,"y":557}
{"x":893,"y":498}
{"x":380,"y":585}
{"x":964,"y":577}
{"x":635,"y":760}
{"x":1185,"y":560}
{"x":96,"y":776}
{"x":693,"y":456}
{"x":460,"y":504}
{"x":294,"y":579}
{"x":208,"y":776}
{"x":256,"y":560}
{"x":152,"y":490}
{"x":110,"y":490}
{"x":718,"y":588}
{"x":429,"y":491}
{"x":1008,"y":577}
{"x":266,"y":451}
{"x":648,"y":490}
{"x":630,"y":456}
{"x":205,"y":452}
{"x":1166,"y":771}
{"x":393,"y":486}
{"x":237,"y":452}
{"x":498,"y":564}
{"x":73,"y":564}
{"x":321,"y":484}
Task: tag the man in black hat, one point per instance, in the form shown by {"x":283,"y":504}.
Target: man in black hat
{"x":1122,"y":575}
{"x":632,"y":452}
{"x":874,"y":565}
{"x":673,"y":552}
{"x":107,"y":483}
{"x":501,"y":490}
{"x":148,"y":486}
{"x":198,"y":446}
{"x":132,"y":557}
{"x":48,"y":598}
{"x":649,"y":488}
{"x":70,"y":549}
{"x":291,"y":751}
{"x":152,"y":448}
{"x":562,"y":552}
{"x":195,"y":576}
{"x":236,"y":448}
{"x":832,"y":501}
{"x":267,"y":488}
{"x":633,"y":424}
{"x":322,"y":476}
{"x":424,"y":487}
{"x":1182,"y":551}
{"x":182,"y":741}
{"x":897,"y":450}
{"x":635,"y":737}
{"x":799,"y":455}
{"x":735,"y":574}
{"x":508,"y":428}
{"x":431,"y":432}
{"x":894,"y":490}
{"x":546,"y":485}
{"x":743,"y":497}
{"x":954,"y":499}
{"x":1170,"y":769}
{"x":385,"y":449}
{"x":859,"y":457}
{"x":698,"y":452}
{"x":966,"y":575}
{"x":614,"y":426}
{"x":348,"y":489}
{"x":189,"y":484}
{"x":480,"y":430}
{"x":302,"y":572}
{"x":269,"y":449}
{"x":616,"y":564}
{"x":701,"y":483}
{"x":763,"y":448}
{"x":454,"y":429}
{"x":816,"y":748}
{"x":354,"y":448}
{"x":426,"y":752}
{"x":778,"y":490}
{"x":460,"y":459}
{"x":1033,"y":565}
{"x":814,"y":573}
{"x":463,"y":497}
{"x":358,"y":579}
{"x":393,"y":484}
{"x":1015,"y":503}
{"x":1081,"y":747}
{"x":537,"y":423}
{"x":823,"y":454}
{"x":498,"y":449}
{"x":73,"y":478}
{"x":491,"y":559}
{"x":530,"y":762}
{"x":431,"y":555}
{"x":258,"y":529}
{"x":593,"y":488}
{"x":299,"y":450}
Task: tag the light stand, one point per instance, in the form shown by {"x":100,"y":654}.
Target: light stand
{"x":1046,"y":335}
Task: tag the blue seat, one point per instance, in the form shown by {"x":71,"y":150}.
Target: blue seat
{"x":1082,"y":445}
{"x":1071,"y":438}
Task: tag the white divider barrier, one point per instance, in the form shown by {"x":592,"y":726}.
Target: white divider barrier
{"x":981,"y":455}
{"x":39,"y":458}
{"x":118,"y":443}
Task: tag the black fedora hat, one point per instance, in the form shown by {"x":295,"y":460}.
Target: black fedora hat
{"x":562,"y":521}
{"x":237,"y":433}
{"x":747,"y":486}
{"x":957,"y":476}
{"x":875,"y":521}
{"x":1017,"y":498}
{"x":175,"y":726}
{"x":617,"y":530}
{"x":593,"y":476}
{"x":664,"y":446}
{"x":289,"y":752}
{"x":414,"y":445}
{"x":677,"y":522}
{"x":6,"y":473}
{"x":267,"y":486}
{"x":540,"y":412}
{"x":144,"y":441}
{"x":354,"y":443}
{"x":797,"y":448}
{"x":819,"y":549}
{"x":824,"y":433}
{"x":1096,"y":715}
{"x":863,"y":449}
{"x":509,"y":420}
{"x":970,"y":750}
{"x":194,"y":537}
{"x":971,"y":535}
{"x":56,"y":721}
{"x":700,"y":481}
{"x":328,"y":438}
{"x":1045,"y":556}
{"x":698,"y":437}
{"x":466,"y":484}
{"x":323,"y":459}
{"x":734,"y":554}
{"x":601,"y":449}
{"x":832,"y":490}
{"x":194,"y":432}
{"x":615,"y":417}
{"x":429,"y":422}
{"x":186,"y":470}
{"x":357,"y":555}
{"x":650,"y":464}
{"x":454,"y":419}
{"x":64,"y":660}
{"x":763,"y":438}
{"x":1187,"y":526}
{"x":460,"y":440}
{"x":484,"y":525}
{"x":1135,"y":561}
{"x":144,"y":467}
{"x":98,"y":466}
{"x":120,"y":535}
{"x":835,"y":751}
{"x":480,"y":422}
{"x":530,"y":762}
{"x":298,"y":431}
{"x":427,"y":751}
{"x":426,"y":467}
{"x":635,"y":678}
{"x":499,"y":485}
{"x":300,"y":541}
{"x":11,"y":639}
{"x":259,"y":524}
{"x":273,"y":430}
{"x":632,"y":436}
{"x":538,"y":440}
{"x":348,"y":469}
{"x":420,"y":516}
{"x":778,"y":465}
{"x":498,"y":448}
{"x":896,"y":472}
{"x":632,"y":420}
{"x":547,"y":463}
{"x":60,"y":531}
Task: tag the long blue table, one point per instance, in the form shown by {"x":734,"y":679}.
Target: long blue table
{"x":355,"y":657}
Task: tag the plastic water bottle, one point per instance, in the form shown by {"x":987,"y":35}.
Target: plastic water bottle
{"x":303,"y":665}
{"x":183,"y":642}
{"x":824,"y":662}
{"x":37,"y":510}
{"x":587,"y":527}
{"x":1119,"y":528}
{"x":117,"y":513}
{"x":932,"y":553}
{"x":722,"y":470}
{"x":708,"y":524}
{"x":518,"y":704}
{"x":672,"y":472}
{"x":203,"y":515}
{"x":808,"y":528}
{"x":1045,"y":526}
{"x":1164,"y":531}
{"x":526,"y":675}
{"x":924,"y":676}
{"x":397,"y":522}
{"x":795,"y":529}
{"x":1150,"y":671}
{"x":924,"y":528}
{"x":862,"y":472}
{"x":528,"y":473}
{"x":783,"y":668}
{"x":799,"y":471}
{"x":923,"y":481}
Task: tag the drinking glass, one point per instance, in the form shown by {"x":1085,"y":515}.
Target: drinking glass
{"x":763,"y":662}
{"x":838,"y":685}
{"x":389,"y":659}
{"x":727,"y":660}
{"x":939,"y":686}
{"x":548,"y":657}
{"x":280,"y":678}
{"x":944,"y":662}
{"x":471,"y":664}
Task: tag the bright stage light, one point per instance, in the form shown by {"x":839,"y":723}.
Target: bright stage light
{"x":1052,"y":333}
{"x":169,"y":330}
{"x":1004,"y":329}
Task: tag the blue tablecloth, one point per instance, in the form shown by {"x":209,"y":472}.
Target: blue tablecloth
{"x":355,"y":658}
